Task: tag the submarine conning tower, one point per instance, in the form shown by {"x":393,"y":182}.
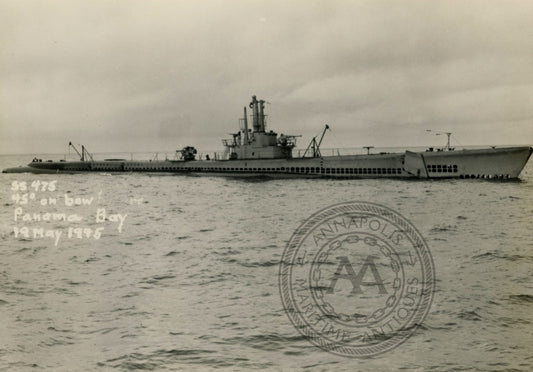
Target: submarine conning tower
{"x":258,"y":143}
{"x":258,"y":110}
{"x":260,"y":137}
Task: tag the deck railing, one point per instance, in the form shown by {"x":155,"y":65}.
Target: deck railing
{"x":221,"y":155}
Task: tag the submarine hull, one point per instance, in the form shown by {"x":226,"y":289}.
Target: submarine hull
{"x":490,"y":163}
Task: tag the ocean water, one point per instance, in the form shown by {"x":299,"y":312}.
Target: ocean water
{"x":190,"y":282}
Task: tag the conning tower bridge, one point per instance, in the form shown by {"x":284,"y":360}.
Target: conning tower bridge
{"x":258,"y":144}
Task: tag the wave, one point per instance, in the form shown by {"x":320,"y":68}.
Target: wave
{"x":156,"y":278}
{"x":173,"y":253}
{"x":498,"y":255}
{"x":469,"y":315}
{"x":268,"y":263}
{"x":270,"y":342}
{"x":162,"y":359}
{"x":442,"y":228}
{"x":521,"y":298}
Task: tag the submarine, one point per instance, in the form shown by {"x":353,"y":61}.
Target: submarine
{"x":255,"y":151}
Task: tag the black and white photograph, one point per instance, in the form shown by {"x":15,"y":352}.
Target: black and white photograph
{"x":239,"y":185}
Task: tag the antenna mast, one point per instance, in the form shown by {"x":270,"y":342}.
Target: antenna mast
{"x":315,"y":146}
{"x":448,"y":134}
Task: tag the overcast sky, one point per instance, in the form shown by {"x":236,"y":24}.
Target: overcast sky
{"x":159,"y":75}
